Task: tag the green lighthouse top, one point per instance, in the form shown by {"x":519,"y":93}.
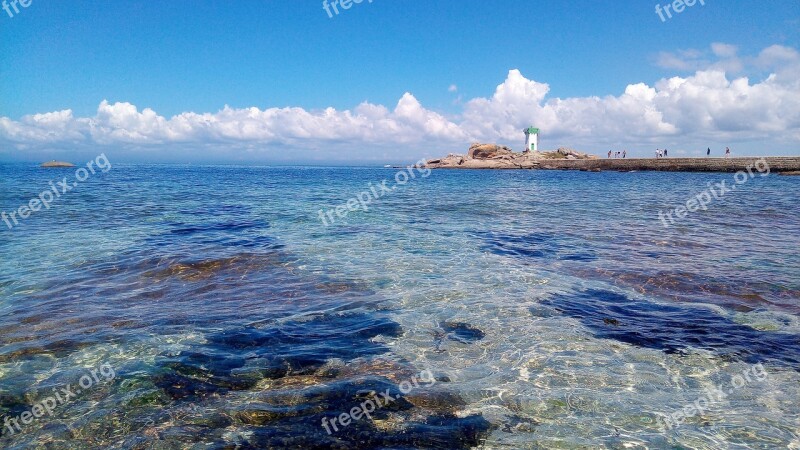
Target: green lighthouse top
{"x":531,"y":130}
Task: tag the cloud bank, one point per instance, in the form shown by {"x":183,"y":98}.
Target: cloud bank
{"x":716,"y":103}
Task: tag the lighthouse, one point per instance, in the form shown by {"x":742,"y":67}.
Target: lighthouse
{"x":531,"y":139}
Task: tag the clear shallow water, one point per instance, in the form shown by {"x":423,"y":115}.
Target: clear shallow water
{"x":553,"y":308}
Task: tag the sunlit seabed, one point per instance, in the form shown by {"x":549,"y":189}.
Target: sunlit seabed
{"x":553,"y":308}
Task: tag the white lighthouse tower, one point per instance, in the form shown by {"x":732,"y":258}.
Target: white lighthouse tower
{"x":531,"y":139}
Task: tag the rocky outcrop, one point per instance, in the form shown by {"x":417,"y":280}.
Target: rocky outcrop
{"x":450,"y":160}
{"x":492,"y":156}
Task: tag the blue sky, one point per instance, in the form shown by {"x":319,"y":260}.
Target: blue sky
{"x":199,"y":56}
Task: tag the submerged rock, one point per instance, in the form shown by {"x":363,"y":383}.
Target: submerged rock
{"x":462,"y":332}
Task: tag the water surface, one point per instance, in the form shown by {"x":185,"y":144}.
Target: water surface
{"x":553,"y":309}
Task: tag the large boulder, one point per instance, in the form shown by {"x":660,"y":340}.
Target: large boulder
{"x":489,"y":151}
{"x":566,"y":153}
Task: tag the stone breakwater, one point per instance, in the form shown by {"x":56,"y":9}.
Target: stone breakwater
{"x":785,"y":164}
{"x":489,"y":156}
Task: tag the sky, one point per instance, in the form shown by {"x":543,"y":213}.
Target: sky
{"x":392,"y":81}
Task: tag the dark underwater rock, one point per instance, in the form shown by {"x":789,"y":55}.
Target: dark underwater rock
{"x":462,"y":332}
{"x":675,"y":328}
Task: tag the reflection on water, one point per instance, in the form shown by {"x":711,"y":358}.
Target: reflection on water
{"x":552,"y":308}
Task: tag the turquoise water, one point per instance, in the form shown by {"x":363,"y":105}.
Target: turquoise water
{"x":552,"y":309}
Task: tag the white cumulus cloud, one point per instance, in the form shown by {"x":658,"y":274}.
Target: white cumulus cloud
{"x":715,"y":103}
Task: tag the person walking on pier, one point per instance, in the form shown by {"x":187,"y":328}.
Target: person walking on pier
{"x":708,"y":152}
{"x":609,"y":154}
{"x":665,"y":153}
{"x":624,"y":154}
{"x":727,"y":152}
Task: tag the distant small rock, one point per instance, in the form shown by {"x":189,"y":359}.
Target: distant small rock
{"x":55,"y":163}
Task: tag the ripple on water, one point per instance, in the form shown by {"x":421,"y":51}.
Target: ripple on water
{"x":537,"y":245}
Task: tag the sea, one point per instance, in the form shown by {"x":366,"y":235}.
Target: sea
{"x":234,"y":307}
